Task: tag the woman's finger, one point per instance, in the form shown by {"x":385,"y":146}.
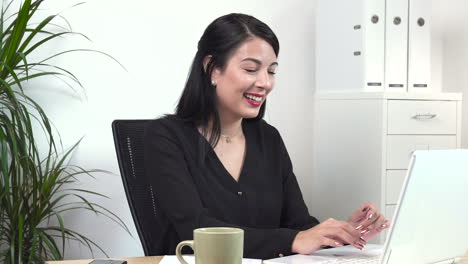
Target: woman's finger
{"x":360,"y":214}
{"x":343,"y":232}
{"x":376,"y":228}
{"x":373,"y":223}
{"x":384,"y":225}
{"x":371,"y":217}
{"x":346,"y":234}
{"x":367,"y":206}
{"x":329,"y":242}
{"x":380,"y":221}
{"x":359,"y":244}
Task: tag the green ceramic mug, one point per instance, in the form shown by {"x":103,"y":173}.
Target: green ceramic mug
{"x":215,"y":245}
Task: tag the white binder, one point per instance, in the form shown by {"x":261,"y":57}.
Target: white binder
{"x":419,"y":47}
{"x":373,"y":45}
{"x":373,"y":34}
{"x":396,"y":45}
{"x":350,"y":42}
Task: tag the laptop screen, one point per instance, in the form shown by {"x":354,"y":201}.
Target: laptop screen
{"x":431,"y":222}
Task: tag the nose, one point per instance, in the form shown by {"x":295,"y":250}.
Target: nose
{"x":264,"y":80}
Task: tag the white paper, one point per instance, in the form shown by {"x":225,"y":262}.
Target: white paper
{"x":171,"y":259}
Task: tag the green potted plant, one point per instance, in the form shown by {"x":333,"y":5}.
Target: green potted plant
{"x":35,"y":188}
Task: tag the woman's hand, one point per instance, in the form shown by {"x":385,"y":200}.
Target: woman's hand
{"x":331,"y":233}
{"x":368,"y":221}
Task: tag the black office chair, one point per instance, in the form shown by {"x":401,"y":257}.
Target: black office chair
{"x":128,"y":139}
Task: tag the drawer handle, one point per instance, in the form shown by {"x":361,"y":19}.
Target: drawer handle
{"x":424,"y":116}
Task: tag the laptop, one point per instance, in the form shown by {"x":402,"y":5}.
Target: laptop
{"x":430,"y":224}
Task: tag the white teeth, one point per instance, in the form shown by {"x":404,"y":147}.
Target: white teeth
{"x":254,"y":98}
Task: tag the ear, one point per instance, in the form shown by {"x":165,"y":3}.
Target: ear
{"x":206,"y":60}
{"x":215,"y":73}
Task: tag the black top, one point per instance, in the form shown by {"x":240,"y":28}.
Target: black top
{"x":193,"y":189}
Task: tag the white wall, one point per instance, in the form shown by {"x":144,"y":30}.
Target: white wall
{"x":452,"y":30}
{"x":156,"y":41}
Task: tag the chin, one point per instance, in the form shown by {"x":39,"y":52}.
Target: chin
{"x":250,"y":114}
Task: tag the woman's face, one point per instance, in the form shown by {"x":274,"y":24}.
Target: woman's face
{"x":249,"y":76}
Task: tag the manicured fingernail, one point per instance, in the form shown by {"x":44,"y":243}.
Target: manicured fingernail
{"x":363,"y":240}
{"x":383,"y":226}
{"x":370,"y":216}
{"x":360,"y":244}
{"x":364,"y":231}
{"x":338,"y":244}
{"x":358,"y":227}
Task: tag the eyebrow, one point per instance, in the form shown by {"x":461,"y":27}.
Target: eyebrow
{"x":258,"y":61}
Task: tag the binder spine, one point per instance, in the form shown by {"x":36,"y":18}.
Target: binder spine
{"x":396,"y":45}
{"x":374,"y":40}
{"x":419,"y":47}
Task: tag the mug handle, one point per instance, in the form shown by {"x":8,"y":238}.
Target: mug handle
{"x":179,"y":250}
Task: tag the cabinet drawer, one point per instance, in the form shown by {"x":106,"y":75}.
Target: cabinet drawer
{"x":422,"y":117}
{"x":393,"y":183}
{"x":400,"y":147}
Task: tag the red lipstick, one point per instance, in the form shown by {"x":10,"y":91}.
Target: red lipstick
{"x":253,"y":102}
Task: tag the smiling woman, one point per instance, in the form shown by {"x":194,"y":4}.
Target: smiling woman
{"x":233,"y":56}
{"x":247,"y":79}
{"x":216,"y":162}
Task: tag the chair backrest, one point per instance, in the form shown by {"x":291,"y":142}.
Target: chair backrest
{"x":128,"y":139}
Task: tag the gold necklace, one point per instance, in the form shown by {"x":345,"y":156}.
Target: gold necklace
{"x":228,"y":139}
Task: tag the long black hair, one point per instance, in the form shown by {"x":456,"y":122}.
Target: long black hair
{"x":221,"y":38}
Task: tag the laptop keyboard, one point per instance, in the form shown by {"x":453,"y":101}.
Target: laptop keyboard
{"x":353,"y":260}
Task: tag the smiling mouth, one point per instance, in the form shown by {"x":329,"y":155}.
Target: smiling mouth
{"x":257,"y":99}
{"x":254,"y":100}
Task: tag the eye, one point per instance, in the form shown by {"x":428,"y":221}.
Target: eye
{"x":250,"y":70}
{"x":272,"y":70}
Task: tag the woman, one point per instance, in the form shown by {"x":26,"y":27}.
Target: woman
{"x":216,"y":162}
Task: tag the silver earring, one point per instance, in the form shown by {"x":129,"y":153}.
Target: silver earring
{"x":213,"y":82}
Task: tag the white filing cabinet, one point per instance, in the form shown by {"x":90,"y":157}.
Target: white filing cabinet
{"x":373,"y":45}
{"x":363,"y":142}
